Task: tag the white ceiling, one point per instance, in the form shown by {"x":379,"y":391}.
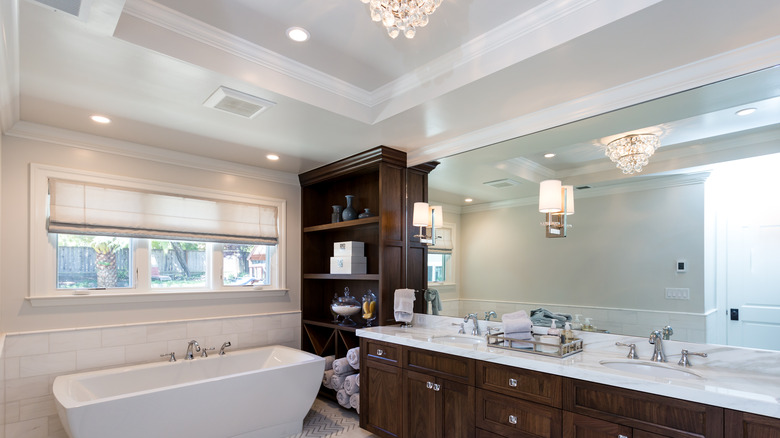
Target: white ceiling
{"x":482,"y":71}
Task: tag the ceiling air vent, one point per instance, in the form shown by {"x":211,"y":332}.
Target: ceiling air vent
{"x":238,"y":103}
{"x":77,"y":8}
{"x":502,"y":183}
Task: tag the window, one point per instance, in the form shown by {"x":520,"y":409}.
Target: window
{"x":122,"y":236}
{"x":440,"y":257}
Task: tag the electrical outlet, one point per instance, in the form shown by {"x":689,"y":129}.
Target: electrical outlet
{"x":678,"y":293}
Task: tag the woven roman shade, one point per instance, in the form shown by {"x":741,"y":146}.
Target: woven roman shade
{"x":95,"y":209}
{"x":443,"y":242}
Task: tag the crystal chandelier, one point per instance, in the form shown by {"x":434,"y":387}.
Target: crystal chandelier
{"x":632,"y":152}
{"x":402,"y":16}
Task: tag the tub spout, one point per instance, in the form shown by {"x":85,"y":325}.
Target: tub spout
{"x":222,"y":349}
{"x":190,"y":345}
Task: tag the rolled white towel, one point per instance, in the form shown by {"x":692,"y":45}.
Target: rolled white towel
{"x":342,"y":366}
{"x":403,"y":305}
{"x":337,"y":381}
{"x":353,"y":357}
{"x":329,"y":362}
{"x":357,"y":381}
{"x":326,"y":378}
{"x":343,"y":398}
{"x":354,"y":401}
{"x":350,"y":384}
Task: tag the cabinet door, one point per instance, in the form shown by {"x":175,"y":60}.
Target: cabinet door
{"x":744,"y":425}
{"x":381,"y":399}
{"x":580,"y":426}
{"x":420,"y":405}
{"x":457,"y":416}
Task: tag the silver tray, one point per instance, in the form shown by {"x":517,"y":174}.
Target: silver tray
{"x":498,"y":340}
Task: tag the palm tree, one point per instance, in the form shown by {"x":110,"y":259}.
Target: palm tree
{"x":105,"y":260}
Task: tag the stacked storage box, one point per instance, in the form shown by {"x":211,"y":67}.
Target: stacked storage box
{"x":348,"y":258}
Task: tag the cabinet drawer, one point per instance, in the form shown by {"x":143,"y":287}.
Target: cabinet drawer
{"x":664,"y":416}
{"x":455,"y":368}
{"x":485,"y":434}
{"x":528,"y":385}
{"x":508,"y":416}
{"x":382,"y":352}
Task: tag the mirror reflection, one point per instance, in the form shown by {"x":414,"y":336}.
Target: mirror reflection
{"x":692,"y":241}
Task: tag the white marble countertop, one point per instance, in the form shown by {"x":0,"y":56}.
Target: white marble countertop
{"x":730,"y":377}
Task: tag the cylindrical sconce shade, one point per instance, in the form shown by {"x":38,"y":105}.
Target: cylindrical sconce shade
{"x":421,"y":215}
{"x":550,"y":196}
{"x":438,"y":215}
{"x":568,"y":192}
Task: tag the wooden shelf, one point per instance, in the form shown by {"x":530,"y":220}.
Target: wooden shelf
{"x":342,"y":225}
{"x":341,"y":276}
{"x":331,"y":325}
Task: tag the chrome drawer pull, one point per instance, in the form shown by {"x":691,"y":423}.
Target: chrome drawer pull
{"x":380,"y":352}
{"x":429,"y":385}
{"x":622,"y":436}
{"x":513,"y":383}
{"x":436,"y":387}
{"x":513,"y":420}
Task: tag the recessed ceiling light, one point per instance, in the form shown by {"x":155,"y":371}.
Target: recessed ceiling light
{"x":746,"y":111}
{"x":468,"y":200}
{"x":298,"y":34}
{"x":272,"y":157}
{"x":100,"y":119}
{"x":550,"y":155}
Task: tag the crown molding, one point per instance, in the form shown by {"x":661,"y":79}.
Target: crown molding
{"x":753,"y":57}
{"x":9,"y":60}
{"x":630,"y":185}
{"x":64,"y":137}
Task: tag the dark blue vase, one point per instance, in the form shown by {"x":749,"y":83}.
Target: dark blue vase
{"x":349,"y":213}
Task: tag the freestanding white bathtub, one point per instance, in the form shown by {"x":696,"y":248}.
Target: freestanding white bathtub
{"x":261,"y":392}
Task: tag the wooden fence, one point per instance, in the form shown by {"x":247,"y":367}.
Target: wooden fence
{"x":80,"y":260}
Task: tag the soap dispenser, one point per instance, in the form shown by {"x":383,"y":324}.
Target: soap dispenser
{"x":553,"y":330}
{"x":576,"y":324}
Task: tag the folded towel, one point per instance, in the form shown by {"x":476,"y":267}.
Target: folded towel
{"x":432,"y":295}
{"x":337,"y":381}
{"x":543,"y":317}
{"x":326,"y":376}
{"x":329,"y":362}
{"x":403,"y":305}
{"x":353,"y":357}
{"x":350,"y":384}
{"x":354,"y":401}
{"x":343,"y":399}
{"x":522,"y":336}
{"x":516,"y":322}
{"x":342,"y":367}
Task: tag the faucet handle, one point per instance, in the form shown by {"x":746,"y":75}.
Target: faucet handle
{"x":205,"y":351}
{"x":667,"y":332}
{"x":171,"y":356}
{"x":631,"y":350}
{"x":684,"y":362}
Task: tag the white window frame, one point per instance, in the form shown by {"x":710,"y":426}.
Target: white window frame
{"x":43,"y":248}
{"x":450,"y":273}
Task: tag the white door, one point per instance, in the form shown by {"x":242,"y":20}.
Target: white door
{"x":754,"y":278}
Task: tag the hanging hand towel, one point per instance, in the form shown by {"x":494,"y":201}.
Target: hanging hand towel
{"x":432,"y":295}
{"x":403,"y":305}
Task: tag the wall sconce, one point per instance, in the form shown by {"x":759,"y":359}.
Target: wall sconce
{"x":427,"y":216}
{"x":557,"y":201}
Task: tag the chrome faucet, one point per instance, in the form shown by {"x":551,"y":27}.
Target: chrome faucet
{"x":475,"y":330}
{"x":490,"y":314}
{"x":193,"y":343}
{"x":222,"y":348}
{"x":667,"y":332}
{"x":658,"y":346}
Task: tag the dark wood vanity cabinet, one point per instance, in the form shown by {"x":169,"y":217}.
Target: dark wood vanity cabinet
{"x":415,"y":393}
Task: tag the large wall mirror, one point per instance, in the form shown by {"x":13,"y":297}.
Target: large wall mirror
{"x":707,"y":199}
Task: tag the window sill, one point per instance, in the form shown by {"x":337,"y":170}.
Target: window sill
{"x":445,"y":283}
{"x":100,"y":297}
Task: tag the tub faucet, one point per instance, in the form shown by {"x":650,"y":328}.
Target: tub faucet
{"x":658,"y":346}
{"x":193,"y":343}
{"x":222,"y":348}
{"x":490,"y":314}
{"x":475,"y":330}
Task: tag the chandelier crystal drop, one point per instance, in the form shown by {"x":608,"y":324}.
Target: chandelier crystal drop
{"x":402,"y":16}
{"x":632,"y":152}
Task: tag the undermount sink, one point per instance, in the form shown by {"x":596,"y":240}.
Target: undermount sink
{"x":459,"y":341}
{"x":650,"y":369}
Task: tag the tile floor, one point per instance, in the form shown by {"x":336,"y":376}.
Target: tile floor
{"x":327,"y":419}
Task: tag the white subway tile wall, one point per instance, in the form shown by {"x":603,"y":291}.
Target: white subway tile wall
{"x":31,"y":361}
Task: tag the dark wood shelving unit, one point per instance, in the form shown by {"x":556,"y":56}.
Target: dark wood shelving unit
{"x":381,"y":182}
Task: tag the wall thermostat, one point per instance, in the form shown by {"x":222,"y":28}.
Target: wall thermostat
{"x":682,"y":265}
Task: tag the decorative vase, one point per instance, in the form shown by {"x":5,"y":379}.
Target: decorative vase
{"x":369,"y":307}
{"x":349,"y":213}
{"x":366,"y":213}
{"x":336,"y":216}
